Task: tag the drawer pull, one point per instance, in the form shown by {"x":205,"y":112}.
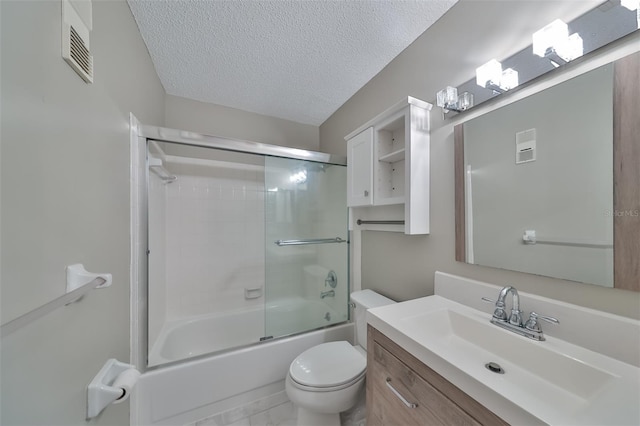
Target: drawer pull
{"x":396,"y":393}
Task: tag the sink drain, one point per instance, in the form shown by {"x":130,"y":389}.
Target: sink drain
{"x":494,"y":368}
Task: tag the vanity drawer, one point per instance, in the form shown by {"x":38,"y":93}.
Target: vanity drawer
{"x":437,"y":401}
{"x":431,"y":406}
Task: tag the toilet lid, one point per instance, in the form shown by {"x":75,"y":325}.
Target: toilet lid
{"x":328,"y":364}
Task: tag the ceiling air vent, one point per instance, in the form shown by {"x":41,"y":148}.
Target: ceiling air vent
{"x":75,"y":38}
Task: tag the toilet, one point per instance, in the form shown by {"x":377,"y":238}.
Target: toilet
{"x":328,"y":378}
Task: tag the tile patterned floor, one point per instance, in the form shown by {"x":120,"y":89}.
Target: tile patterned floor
{"x":275,"y":410}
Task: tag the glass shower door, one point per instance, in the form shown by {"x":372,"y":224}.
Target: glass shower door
{"x":306,"y":253}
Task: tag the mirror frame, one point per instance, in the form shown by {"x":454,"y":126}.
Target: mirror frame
{"x":626,"y":176}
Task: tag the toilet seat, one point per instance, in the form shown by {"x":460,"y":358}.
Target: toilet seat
{"x":328,"y":366}
{"x":353,"y":382}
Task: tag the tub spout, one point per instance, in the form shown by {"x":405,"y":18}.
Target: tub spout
{"x":330,"y":293}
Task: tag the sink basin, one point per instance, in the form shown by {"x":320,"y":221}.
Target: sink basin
{"x":482,"y":342}
{"x":553,"y":381}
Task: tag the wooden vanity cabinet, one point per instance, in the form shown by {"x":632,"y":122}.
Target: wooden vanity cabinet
{"x":436,"y":400}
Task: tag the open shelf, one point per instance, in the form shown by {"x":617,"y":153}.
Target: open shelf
{"x":388,"y":169}
{"x":392,"y":157}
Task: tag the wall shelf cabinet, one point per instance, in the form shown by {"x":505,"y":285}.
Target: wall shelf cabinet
{"x":388,"y":169}
{"x":360,"y":173}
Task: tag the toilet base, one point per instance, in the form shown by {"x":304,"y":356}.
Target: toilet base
{"x":310,"y":418}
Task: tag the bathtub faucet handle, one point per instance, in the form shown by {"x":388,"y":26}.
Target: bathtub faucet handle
{"x":331,"y":280}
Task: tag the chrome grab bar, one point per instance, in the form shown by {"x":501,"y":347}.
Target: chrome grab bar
{"x":380,"y":222}
{"x":310,"y":241}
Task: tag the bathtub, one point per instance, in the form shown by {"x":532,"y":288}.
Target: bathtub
{"x":205,"y":334}
{"x":192,"y":337}
{"x":185,"y":392}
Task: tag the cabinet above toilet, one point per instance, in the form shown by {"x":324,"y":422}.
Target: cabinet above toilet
{"x":388,"y":170}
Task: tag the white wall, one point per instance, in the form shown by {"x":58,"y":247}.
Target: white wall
{"x":217,"y":120}
{"x":65,"y":199}
{"x":564,"y":194}
{"x":447,"y":54}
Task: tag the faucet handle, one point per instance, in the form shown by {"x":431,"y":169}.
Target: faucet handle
{"x":533,"y":323}
{"x":516,"y":317}
{"x":499,"y":313}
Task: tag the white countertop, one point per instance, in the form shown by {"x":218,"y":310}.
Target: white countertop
{"x":552,"y":381}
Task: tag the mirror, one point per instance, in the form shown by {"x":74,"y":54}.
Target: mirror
{"x":535,"y":181}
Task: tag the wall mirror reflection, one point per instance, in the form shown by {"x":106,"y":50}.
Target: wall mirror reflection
{"x":541,"y":185}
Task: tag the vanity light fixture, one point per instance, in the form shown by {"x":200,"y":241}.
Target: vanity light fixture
{"x":449,"y":100}
{"x":491,"y":76}
{"x":554,"y":43}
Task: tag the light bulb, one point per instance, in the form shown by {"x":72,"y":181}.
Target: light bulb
{"x":549,"y":36}
{"x":447,"y":97}
{"x":491,"y":72}
{"x":571,"y":48}
{"x":509,"y":79}
{"x":465,"y":101}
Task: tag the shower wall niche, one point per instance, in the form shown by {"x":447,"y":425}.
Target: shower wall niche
{"x":217,"y":277}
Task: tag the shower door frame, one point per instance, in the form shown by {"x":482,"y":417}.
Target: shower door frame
{"x":140,"y":135}
{"x":162,"y":134}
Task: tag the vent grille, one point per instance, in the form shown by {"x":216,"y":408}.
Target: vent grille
{"x":525,"y":155}
{"x":80,"y":53}
{"x":76,"y":52}
{"x":526,"y":146}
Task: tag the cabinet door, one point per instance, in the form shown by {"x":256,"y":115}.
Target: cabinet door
{"x":395,"y":386}
{"x":401,"y":390}
{"x":360,"y":169}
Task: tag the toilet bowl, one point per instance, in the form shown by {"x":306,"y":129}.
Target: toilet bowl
{"x":329,"y":378}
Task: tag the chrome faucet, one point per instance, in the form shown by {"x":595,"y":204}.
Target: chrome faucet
{"x":513,"y":322}
{"x":330,"y":293}
{"x":516,"y":314}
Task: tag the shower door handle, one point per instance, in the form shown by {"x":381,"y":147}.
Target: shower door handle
{"x":311,"y":241}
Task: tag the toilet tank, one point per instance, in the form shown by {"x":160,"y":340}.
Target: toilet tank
{"x":363,"y":300}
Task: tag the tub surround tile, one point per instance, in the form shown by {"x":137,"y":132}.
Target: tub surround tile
{"x":221,"y":200}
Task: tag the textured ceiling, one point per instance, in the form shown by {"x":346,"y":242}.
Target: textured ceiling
{"x":297,"y":60}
